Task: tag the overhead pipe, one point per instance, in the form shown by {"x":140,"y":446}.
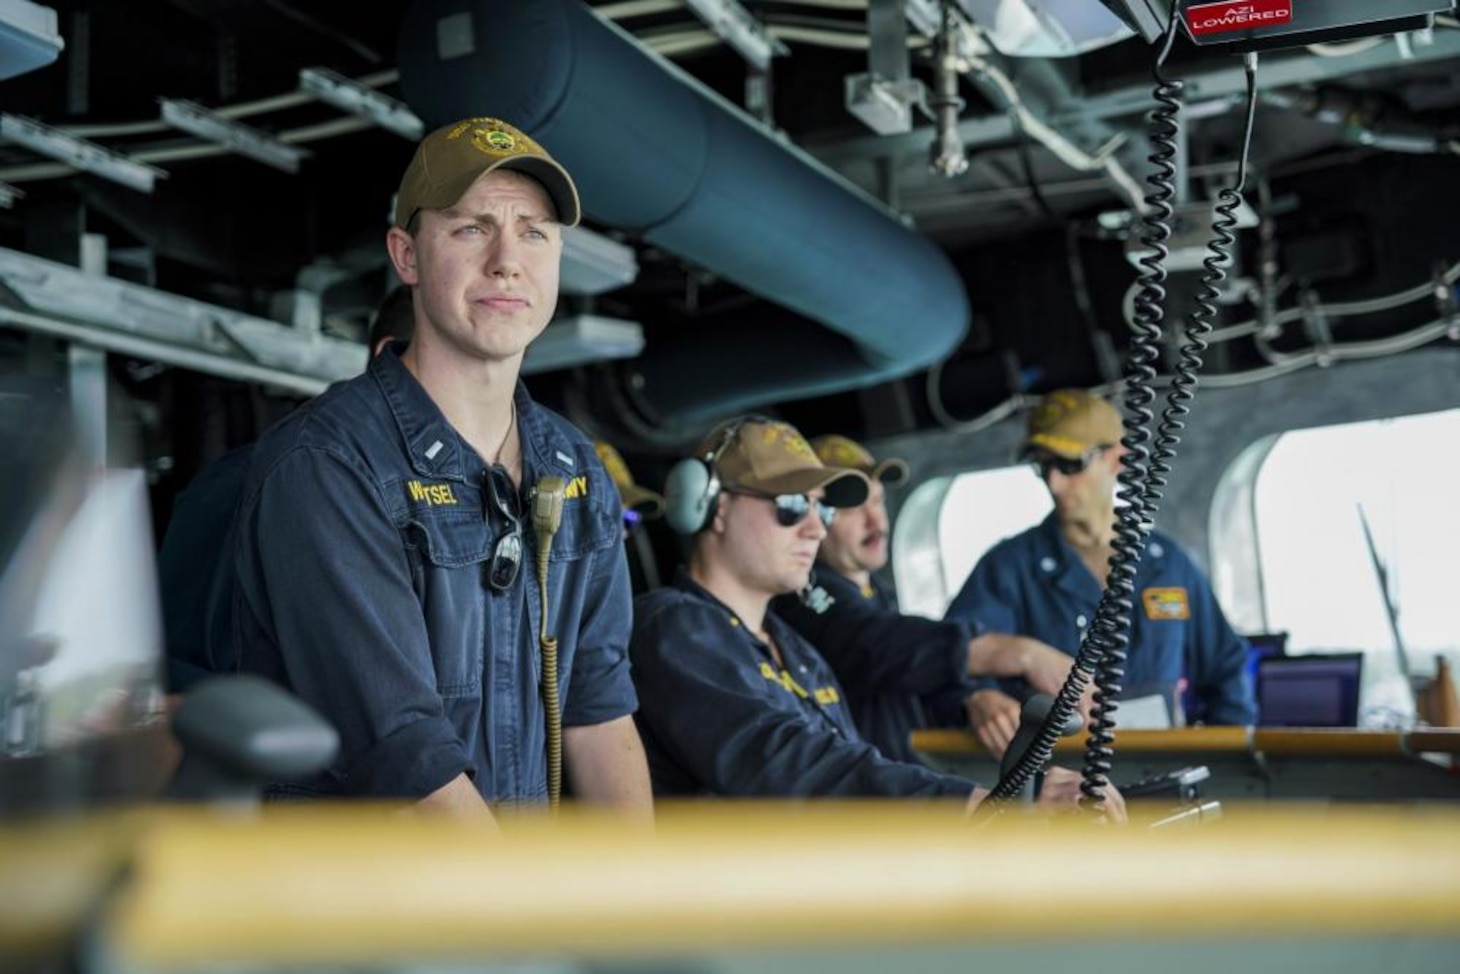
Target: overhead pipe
{"x":658,"y":155}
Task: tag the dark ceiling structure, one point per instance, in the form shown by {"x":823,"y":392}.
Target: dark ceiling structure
{"x":895,"y":215}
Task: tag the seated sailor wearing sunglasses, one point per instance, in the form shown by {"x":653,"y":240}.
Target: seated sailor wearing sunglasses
{"x":732,"y":701}
{"x":387,"y":560}
{"x":1045,"y":584}
{"x":901,"y":672}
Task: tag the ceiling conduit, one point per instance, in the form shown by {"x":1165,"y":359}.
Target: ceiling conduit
{"x":657,"y":155}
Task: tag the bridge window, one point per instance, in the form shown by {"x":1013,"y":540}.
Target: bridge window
{"x":948,"y":524}
{"x":1290,"y":553}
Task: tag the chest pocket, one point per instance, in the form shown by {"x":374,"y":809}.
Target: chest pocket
{"x":449,"y":552}
{"x":450,"y":543}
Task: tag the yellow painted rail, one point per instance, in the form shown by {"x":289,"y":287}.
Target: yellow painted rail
{"x":349,"y":885}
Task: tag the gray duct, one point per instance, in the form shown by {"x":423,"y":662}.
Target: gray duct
{"x":656,"y":154}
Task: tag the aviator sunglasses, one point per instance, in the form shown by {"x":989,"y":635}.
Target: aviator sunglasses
{"x":507,"y":553}
{"x":791,"y":509}
{"x":1043,"y":463}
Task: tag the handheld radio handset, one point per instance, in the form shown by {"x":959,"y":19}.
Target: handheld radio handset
{"x":546,"y":501}
{"x":1031,"y":718}
{"x":546,"y":504}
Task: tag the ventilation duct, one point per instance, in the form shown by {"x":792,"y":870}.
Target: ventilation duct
{"x":656,"y":154}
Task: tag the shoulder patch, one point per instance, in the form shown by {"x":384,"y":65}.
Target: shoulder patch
{"x":1166,"y":604}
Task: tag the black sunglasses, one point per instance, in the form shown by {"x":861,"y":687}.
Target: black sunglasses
{"x":507,"y":553}
{"x":1069,"y":466}
{"x":791,"y":509}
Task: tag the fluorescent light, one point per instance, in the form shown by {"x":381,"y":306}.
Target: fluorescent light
{"x":28,"y":37}
{"x":593,"y":263}
{"x":242,"y":139}
{"x":581,"y":339}
{"x":362,"y":100}
{"x":78,"y":153}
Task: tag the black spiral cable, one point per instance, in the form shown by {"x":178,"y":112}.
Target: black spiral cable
{"x":1199,"y":321}
{"x":1143,"y":474}
{"x":1102,"y":651}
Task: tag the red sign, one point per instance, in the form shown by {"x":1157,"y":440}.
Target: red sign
{"x":1216,"y":18}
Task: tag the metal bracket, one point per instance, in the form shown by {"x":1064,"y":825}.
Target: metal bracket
{"x":243,"y":139}
{"x":884,"y":106}
{"x":1315,"y":324}
{"x":1447,"y":303}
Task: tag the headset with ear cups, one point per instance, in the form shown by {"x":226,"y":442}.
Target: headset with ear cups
{"x":692,"y":487}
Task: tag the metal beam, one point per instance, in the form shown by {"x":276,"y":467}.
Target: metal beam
{"x":736,"y":26}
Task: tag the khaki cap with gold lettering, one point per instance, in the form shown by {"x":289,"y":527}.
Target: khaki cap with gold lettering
{"x":454,"y":156}
{"x":770,"y":457}
{"x":1071,"y":422}
{"x":840,"y":451}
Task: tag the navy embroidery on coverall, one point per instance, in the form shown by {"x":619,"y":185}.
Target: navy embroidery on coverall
{"x":719,"y":716}
{"x":361,"y":555}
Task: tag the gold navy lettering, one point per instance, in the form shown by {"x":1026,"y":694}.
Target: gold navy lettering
{"x":826,"y":696}
{"x":577,"y":487}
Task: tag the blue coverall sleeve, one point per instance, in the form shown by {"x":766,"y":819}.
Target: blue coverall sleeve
{"x":986,"y":604}
{"x":716,"y":715}
{"x":322,"y":568}
{"x":873,"y":651}
{"x":1218,"y":659}
{"x":602,"y":689}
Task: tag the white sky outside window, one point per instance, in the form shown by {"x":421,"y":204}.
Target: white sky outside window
{"x":979,"y":510}
{"x":1318,"y":580}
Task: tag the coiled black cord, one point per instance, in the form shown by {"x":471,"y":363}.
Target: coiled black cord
{"x":1098,"y":752}
{"x":1142,"y":477}
{"x":1143,"y":472}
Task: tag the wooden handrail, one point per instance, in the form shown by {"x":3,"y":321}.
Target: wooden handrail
{"x":1338,"y":742}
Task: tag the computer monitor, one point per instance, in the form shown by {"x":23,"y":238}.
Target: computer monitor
{"x":1309,"y":691}
{"x":1260,"y":646}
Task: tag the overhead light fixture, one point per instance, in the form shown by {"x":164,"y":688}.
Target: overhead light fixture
{"x":242,"y":139}
{"x":351,"y":96}
{"x":580,"y":340}
{"x":28,"y":37}
{"x":79,"y":154}
{"x":593,"y":263}
{"x":131,"y":319}
{"x":736,"y":26}
{"x":1047,"y":28}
